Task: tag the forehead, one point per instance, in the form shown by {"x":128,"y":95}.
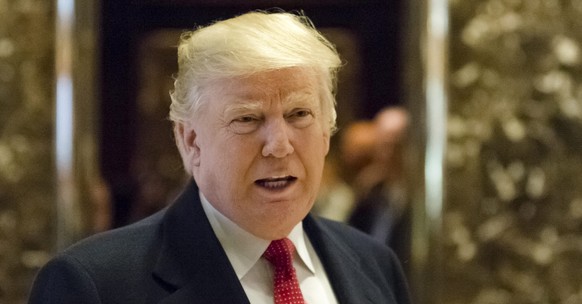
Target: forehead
{"x":284,"y":83}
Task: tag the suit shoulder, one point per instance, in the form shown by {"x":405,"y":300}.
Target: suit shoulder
{"x":108,"y":265}
{"x":351,"y":236}
{"x":375,"y":260}
{"x":360,"y":243}
{"x":121,"y":245}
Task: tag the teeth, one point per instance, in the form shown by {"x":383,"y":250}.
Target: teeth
{"x":276,"y":182}
{"x":277,"y":178}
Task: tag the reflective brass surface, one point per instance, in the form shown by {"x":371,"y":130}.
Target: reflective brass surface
{"x":27,"y":188}
{"x":35,"y":219}
{"x":512,"y":226}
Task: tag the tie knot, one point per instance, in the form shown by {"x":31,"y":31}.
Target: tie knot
{"x":280,"y":253}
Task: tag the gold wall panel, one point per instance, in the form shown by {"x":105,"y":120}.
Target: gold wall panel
{"x":48,"y":173}
{"x":512,"y":220}
{"x":27,"y":188}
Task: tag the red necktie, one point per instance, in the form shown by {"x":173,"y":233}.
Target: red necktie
{"x":280,"y":254}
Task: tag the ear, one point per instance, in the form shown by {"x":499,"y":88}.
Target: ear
{"x":187,"y":145}
{"x":326,"y":140}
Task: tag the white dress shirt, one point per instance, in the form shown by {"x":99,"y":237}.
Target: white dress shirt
{"x":244,"y":250}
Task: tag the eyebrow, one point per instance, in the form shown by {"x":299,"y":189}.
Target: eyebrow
{"x":251,"y":105}
{"x":294,"y":99}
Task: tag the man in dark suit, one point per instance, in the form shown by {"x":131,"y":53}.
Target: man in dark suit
{"x":253,"y":111}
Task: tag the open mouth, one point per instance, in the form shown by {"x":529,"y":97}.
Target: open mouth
{"x":276,"y":183}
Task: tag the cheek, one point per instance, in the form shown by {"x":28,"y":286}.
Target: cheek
{"x":314,"y":155}
{"x":235,"y":156}
{"x":319,"y":143}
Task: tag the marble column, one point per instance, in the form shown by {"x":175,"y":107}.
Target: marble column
{"x":509,"y":229}
{"x":46,"y":147}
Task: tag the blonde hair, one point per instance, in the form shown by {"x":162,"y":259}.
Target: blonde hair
{"x":251,"y":43}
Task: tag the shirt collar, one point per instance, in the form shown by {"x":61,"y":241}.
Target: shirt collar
{"x":243,"y":248}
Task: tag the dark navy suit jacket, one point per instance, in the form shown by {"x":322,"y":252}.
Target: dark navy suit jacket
{"x":175,"y":257}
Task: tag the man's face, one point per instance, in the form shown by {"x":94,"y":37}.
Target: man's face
{"x":258,"y":147}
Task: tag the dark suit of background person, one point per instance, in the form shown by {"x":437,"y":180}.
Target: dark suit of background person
{"x":174,"y":257}
{"x":253,"y":112}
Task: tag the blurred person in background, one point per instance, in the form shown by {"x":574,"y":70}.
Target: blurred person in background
{"x":340,"y":185}
{"x":357,"y":145}
{"x":382,"y":209}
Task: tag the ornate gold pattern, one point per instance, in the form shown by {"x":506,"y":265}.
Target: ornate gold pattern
{"x":513,"y":220}
{"x":27,"y":189}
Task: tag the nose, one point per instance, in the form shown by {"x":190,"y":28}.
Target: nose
{"x":277,"y":142}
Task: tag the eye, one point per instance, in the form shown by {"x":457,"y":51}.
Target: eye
{"x":301,"y":113}
{"x":244,"y":124}
{"x":301,"y":118}
{"x":245,"y":119}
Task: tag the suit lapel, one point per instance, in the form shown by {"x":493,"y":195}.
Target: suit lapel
{"x":350,"y":284}
{"x":193,"y":267}
{"x":192,"y":263}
